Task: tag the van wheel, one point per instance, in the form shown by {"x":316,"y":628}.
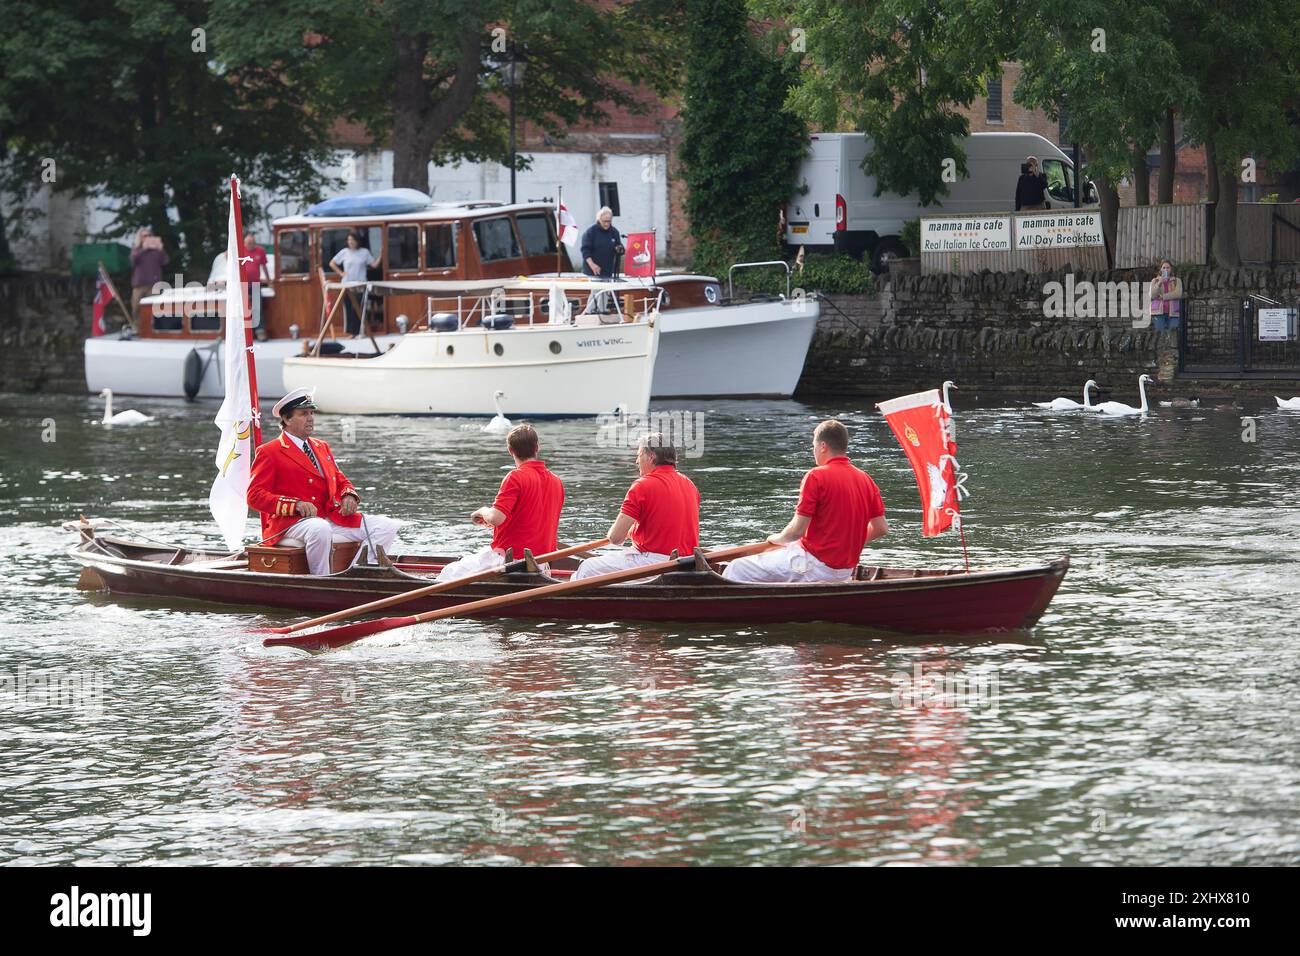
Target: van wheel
{"x":885,"y":251}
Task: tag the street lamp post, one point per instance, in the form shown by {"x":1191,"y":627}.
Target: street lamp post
{"x":514,"y":76}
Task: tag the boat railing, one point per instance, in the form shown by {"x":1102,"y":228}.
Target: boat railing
{"x":731,"y":292}
{"x":523,"y":306}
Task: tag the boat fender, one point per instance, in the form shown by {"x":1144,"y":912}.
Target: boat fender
{"x":193,"y":373}
{"x":498,"y":322}
{"x":444,"y":322}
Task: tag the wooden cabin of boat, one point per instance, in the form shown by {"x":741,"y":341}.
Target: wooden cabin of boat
{"x":445,"y":242}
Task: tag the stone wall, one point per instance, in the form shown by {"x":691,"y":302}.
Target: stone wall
{"x":988,"y":333}
{"x":44,"y":321}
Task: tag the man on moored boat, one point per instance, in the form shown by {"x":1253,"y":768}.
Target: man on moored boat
{"x":525,"y":514}
{"x":303,"y":496}
{"x":661,"y":513}
{"x":839,"y":511}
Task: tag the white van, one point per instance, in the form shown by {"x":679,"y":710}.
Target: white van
{"x":840,"y":211}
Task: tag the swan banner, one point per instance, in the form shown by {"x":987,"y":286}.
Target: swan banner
{"x":228,"y":498}
{"x":640,"y":254}
{"x":924,"y":426}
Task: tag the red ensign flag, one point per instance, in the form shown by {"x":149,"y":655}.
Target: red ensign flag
{"x":102,"y":298}
{"x":640,"y":254}
{"x":924,"y":427}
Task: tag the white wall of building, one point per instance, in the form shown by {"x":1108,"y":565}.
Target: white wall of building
{"x":642,"y":188}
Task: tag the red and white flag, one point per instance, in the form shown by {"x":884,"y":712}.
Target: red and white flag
{"x":566,"y":225}
{"x":924,"y":426}
{"x":103,"y":296}
{"x":640,"y":254}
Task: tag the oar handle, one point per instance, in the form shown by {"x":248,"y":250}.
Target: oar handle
{"x":437,"y":588}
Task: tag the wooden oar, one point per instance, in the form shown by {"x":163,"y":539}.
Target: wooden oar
{"x":438,"y":588}
{"x":339,"y":636}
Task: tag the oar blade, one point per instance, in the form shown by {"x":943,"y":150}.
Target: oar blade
{"x":269,"y":630}
{"x":334,"y":637}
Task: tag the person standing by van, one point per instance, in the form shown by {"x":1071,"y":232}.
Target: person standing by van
{"x":1031,"y":189}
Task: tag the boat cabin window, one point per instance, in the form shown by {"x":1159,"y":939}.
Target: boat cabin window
{"x":403,"y":248}
{"x":291,"y":256}
{"x":332,"y":240}
{"x":537,"y":230}
{"x":496,"y":239}
{"x":440,"y":245}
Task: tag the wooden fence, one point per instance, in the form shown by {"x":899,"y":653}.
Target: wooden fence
{"x":1146,"y":234}
{"x":1261,"y":240}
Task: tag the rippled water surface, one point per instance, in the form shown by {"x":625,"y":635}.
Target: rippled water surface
{"x":1150,"y":718}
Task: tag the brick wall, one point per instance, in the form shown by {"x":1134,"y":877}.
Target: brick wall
{"x":988,"y":333}
{"x":44,"y":319}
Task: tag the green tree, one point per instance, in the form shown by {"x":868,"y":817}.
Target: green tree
{"x":132,"y":99}
{"x":896,"y":70}
{"x":428,"y":77}
{"x":740,"y":147}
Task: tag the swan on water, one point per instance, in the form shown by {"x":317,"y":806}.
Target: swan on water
{"x":128,"y":417}
{"x":1292,"y":404}
{"x":499,"y":425}
{"x":1065,"y":404}
{"x":1119,"y":408}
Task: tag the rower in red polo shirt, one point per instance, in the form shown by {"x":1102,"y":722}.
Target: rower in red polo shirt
{"x":661,"y":513}
{"x":525,"y":514}
{"x":839,"y":511}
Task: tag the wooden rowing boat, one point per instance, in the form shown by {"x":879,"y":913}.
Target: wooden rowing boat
{"x":907,"y":600}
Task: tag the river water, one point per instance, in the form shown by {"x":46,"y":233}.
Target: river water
{"x":1151,"y":718}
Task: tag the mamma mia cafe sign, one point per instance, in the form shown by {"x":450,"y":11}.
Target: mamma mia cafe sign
{"x":966,"y":234}
{"x":1068,"y":229}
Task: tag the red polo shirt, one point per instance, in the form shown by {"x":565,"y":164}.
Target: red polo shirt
{"x":531,"y":498}
{"x":841,"y":500}
{"x":666,"y":507}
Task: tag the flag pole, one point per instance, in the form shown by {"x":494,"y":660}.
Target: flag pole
{"x":255,"y":407}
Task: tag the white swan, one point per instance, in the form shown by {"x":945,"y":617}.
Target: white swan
{"x":1119,"y":408}
{"x":1065,"y":404}
{"x":1291,"y":404}
{"x":128,"y":417}
{"x":499,"y":425}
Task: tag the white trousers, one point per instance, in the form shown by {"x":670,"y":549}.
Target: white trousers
{"x":783,"y":565}
{"x":486,"y":560}
{"x":317,"y":534}
{"x":618,"y":561}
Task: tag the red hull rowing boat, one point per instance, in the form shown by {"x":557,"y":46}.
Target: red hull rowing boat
{"x":904,"y":600}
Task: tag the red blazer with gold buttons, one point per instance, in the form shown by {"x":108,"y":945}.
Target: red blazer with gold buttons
{"x":283,"y":475}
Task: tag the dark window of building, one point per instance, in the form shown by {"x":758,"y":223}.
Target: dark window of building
{"x":291,"y":256}
{"x":440,"y":245}
{"x":404,"y":248}
{"x":609,"y":197}
{"x":993,"y":105}
{"x":496,"y":240}
{"x":537,"y":231}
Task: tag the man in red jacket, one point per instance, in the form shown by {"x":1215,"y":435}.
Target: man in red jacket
{"x":661,"y":513}
{"x":303,"y":497}
{"x":525,"y":513}
{"x":839,"y":511}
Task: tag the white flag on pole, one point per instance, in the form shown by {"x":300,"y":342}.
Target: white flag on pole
{"x":228,"y":498}
{"x":568,"y":227}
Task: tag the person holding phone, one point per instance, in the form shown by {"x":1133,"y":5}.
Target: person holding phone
{"x":1166,"y":298}
{"x":148,"y":256}
{"x":1031,"y":188}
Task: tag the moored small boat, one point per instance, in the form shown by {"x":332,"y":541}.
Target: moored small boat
{"x":904,"y":600}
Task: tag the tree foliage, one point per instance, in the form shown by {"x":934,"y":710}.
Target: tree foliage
{"x":740,"y":147}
